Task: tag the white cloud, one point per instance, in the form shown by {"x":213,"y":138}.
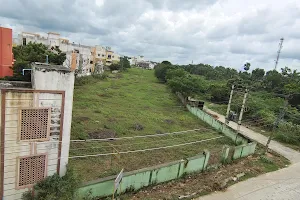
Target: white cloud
{"x":218,"y":32}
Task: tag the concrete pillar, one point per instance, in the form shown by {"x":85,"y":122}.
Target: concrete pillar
{"x":53,"y":77}
{"x":225,"y":153}
{"x":207,"y":155}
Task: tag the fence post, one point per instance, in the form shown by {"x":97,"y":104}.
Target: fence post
{"x":207,"y":155}
{"x":225,"y":153}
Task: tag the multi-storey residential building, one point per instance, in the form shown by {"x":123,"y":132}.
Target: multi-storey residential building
{"x":81,"y":57}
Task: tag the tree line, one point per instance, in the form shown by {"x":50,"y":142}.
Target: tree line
{"x":268,"y":91}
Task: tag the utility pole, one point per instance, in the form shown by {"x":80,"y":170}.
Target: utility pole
{"x":229,"y":104}
{"x":279,"y":118}
{"x":278,"y":52}
{"x":242,"y":111}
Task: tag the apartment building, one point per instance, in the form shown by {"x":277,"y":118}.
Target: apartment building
{"x":78,"y":57}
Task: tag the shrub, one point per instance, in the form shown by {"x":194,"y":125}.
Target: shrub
{"x":115,"y":66}
{"x":160,"y":71}
{"x":55,"y":188}
{"x":288,"y":133}
{"x":219,"y":93}
{"x":83,"y":80}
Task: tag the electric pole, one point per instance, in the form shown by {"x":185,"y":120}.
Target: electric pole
{"x":229,"y":104}
{"x":242,"y":111}
{"x":278,"y":52}
{"x":279,"y":118}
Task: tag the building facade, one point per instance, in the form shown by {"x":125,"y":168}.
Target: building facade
{"x":35,"y":128}
{"x":78,"y":57}
{"x":6,"y":54}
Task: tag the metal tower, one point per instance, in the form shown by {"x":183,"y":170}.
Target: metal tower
{"x":278,"y":52}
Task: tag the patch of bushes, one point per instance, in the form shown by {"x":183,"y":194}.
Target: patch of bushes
{"x":55,"y":188}
{"x":83,"y":80}
{"x":288,"y":133}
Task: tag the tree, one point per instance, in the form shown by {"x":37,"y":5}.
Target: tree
{"x":115,"y":66}
{"x":176,"y":73}
{"x":124,"y":62}
{"x":165,"y":62}
{"x":33,"y":52}
{"x":186,"y":85}
{"x":160,"y":71}
{"x":273,"y":81}
{"x":258,"y":74}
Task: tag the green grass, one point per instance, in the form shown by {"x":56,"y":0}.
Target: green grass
{"x":129,"y":104}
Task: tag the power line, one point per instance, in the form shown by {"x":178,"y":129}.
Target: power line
{"x":141,"y":136}
{"x":133,"y":151}
{"x":143,"y":150}
{"x":113,"y":139}
{"x":139,"y":143}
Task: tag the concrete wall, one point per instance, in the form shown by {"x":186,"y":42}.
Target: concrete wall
{"x":226,"y":130}
{"x":14,"y":148}
{"x":56,"y":78}
{"x":135,"y":180}
{"x":244,"y":150}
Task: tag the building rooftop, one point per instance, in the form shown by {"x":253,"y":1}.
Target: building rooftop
{"x":49,"y":67}
{"x":15,"y":84}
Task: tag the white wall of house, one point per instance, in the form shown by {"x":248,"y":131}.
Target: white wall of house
{"x":60,"y":79}
{"x":14,"y":148}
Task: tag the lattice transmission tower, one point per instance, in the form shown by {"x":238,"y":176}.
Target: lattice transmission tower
{"x":278,"y":52}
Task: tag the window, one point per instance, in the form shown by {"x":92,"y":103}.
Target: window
{"x":34,"y":123}
{"x":91,"y":62}
{"x":103,"y":55}
{"x":24,"y":41}
{"x":31,"y":170}
{"x":109,"y":56}
{"x":99,"y":54}
{"x":113,"y":56}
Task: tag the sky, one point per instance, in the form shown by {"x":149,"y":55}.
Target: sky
{"x":215,"y":32}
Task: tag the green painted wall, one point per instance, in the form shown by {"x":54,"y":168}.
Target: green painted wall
{"x":244,"y":150}
{"x":135,"y":180}
{"x":226,"y":130}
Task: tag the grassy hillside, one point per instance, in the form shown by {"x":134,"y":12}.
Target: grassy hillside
{"x":128,"y":104}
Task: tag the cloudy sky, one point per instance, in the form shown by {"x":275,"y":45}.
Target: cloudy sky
{"x":216,"y":32}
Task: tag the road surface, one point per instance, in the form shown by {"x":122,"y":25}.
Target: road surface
{"x":283,"y":184}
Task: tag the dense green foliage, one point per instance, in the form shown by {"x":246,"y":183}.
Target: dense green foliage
{"x":33,"y":52}
{"x":267,"y":92}
{"x":55,"y":188}
{"x":122,"y":65}
{"x":83,"y":80}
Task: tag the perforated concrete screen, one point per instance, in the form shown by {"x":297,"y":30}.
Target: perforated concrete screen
{"x":31,"y":170}
{"x":34,"y":123}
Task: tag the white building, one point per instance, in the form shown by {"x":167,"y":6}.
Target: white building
{"x":136,"y":60}
{"x":80,"y":57}
{"x":36,"y":126}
